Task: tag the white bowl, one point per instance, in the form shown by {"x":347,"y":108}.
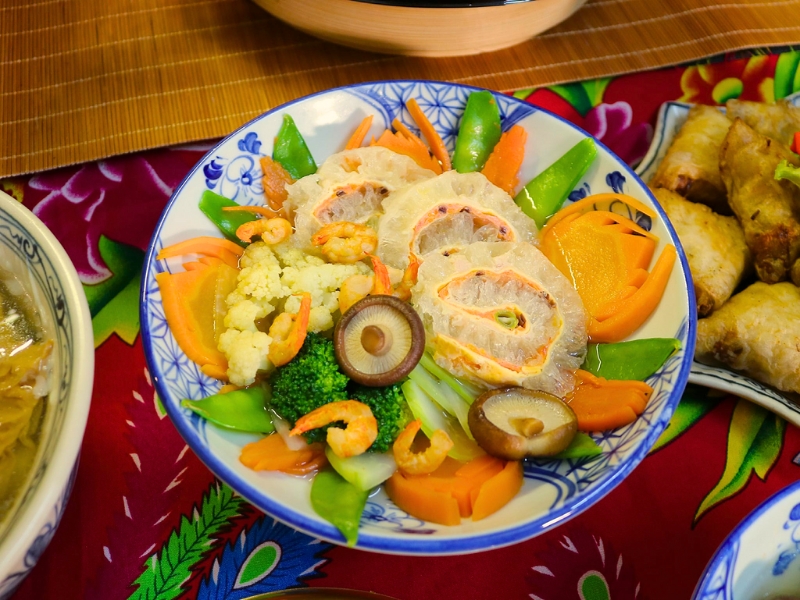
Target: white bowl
{"x":412,"y":28}
{"x":33,"y":519}
{"x":760,"y":558}
{"x":554,"y":490}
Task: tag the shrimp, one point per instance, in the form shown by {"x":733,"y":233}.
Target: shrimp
{"x":288,"y":332}
{"x":423,"y":462}
{"x":346,"y":242}
{"x":403,"y":289}
{"x":358,"y":287}
{"x":272,"y":231}
{"x":355,"y":438}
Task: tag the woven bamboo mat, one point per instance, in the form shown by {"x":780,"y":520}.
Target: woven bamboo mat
{"x":87,"y":79}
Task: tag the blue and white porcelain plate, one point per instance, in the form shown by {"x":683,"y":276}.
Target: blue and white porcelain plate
{"x":671,"y":118}
{"x":554,"y":490}
{"x":761,"y":556}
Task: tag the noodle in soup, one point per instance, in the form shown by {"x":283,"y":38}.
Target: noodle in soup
{"x":24,"y":360}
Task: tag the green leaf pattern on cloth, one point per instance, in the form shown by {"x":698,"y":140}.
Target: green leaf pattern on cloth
{"x":167,"y":570}
{"x":755,"y":439}
{"x":695,"y":404}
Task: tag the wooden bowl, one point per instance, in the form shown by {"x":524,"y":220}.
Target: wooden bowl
{"x":422,"y":30}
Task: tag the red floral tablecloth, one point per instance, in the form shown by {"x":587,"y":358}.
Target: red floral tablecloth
{"x":148,"y":520}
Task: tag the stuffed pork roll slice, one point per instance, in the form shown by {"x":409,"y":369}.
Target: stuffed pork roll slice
{"x":444,"y":214}
{"x":349,"y":186}
{"x":502,"y":314}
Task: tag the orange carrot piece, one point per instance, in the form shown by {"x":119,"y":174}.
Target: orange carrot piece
{"x":312,"y":466}
{"x":211,"y":261}
{"x":421,"y":502}
{"x":194,"y":266}
{"x":228,"y":387}
{"x":272,"y":454}
{"x":637,"y":308}
{"x":600,"y":404}
{"x":188,"y":298}
{"x":410,"y":146}
{"x":206,"y":245}
{"x":215,"y":372}
{"x":503,"y":165}
{"x":264,"y":211}
{"x":497,"y":491}
{"x":432,"y":136}
{"x":359,"y":134}
{"x":588,"y":204}
{"x":275,"y":179}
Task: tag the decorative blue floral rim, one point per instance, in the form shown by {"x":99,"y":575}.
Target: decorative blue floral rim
{"x":63,"y":408}
{"x":579,"y":482}
{"x":717,"y":580}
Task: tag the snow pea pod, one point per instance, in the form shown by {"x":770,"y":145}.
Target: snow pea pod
{"x":581,"y":446}
{"x":478,"y":132}
{"x":339,"y":502}
{"x":291,"y":151}
{"x":243,"y":410}
{"x":635,"y":360}
{"x":227,"y":222}
{"x":541,"y":198}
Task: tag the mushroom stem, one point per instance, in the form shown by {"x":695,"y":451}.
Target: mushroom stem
{"x":376,"y":340}
{"x":527,"y":426}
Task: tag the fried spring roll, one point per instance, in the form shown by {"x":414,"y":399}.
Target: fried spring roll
{"x":779,"y":121}
{"x":757,"y":332}
{"x":715,"y":248}
{"x":691,"y":165}
{"x":768,"y":210}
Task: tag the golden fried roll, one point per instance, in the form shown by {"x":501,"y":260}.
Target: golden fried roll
{"x":714,"y":245}
{"x":779,"y":121}
{"x":768,"y":210}
{"x":349,"y":186}
{"x":502,"y":314}
{"x":691,"y":165}
{"x":446,"y":213}
{"x":757,"y":332}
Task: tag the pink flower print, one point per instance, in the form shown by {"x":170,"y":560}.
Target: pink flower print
{"x":612,"y":124}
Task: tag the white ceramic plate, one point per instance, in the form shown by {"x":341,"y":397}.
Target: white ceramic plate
{"x":761,"y":556}
{"x":554,"y":490}
{"x":671,"y":118}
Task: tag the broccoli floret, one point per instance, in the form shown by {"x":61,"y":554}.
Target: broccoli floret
{"x":388,"y":405}
{"x":786,"y":171}
{"x":311,"y":379}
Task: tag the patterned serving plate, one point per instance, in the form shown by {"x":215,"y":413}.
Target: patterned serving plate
{"x":761,"y":556}
{"x":671,"y":118}
{"x":554,"y":490}
{"x":27,"y":244}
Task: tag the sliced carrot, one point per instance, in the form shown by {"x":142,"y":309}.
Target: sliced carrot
{"x":272,"y":454}
{"x":498,"y":491}
{"x":423,"y":503}
{"x":606,"y":201}
{"x":211,"y":261}
{"x":359,"y":134}
{"x":503,"y":165}
{"x":275,"y":179}
{"x":264,"y":211}
{"x":215,"y":372}
{"x":194,"y":266}
{"x":639,"y":306}
{"x":312,"y":466}
{"x":600,"y":404}
{"x":188,"y":300}
{"x":405,"y":142}
{"x":432,"y":136}
{"x":228,"y":387}
{"x":206,"y":245}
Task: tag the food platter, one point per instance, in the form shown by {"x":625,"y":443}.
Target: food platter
{"x":553,"y":490}
{"x":671,"y":117}
{"x":758,"y":559}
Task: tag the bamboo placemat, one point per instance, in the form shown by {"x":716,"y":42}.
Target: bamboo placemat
{"x":87,"y":79}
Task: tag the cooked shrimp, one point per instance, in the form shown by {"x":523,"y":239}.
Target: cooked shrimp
{"x":403,"y":289}
{"x":288,"y":332}
{"x":383,"y":284}
{"x":353,"y":289}
{"x":272,"y":231}
{"x":423,"y":462}
{"x":346,"y":242}
{"x":355,"y":438}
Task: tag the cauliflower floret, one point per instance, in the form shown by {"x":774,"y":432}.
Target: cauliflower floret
{"x":246,"y":352}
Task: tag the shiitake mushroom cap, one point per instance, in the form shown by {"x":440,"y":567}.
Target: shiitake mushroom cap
{"x":514,"y":422}
{"x":378,"y":336}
